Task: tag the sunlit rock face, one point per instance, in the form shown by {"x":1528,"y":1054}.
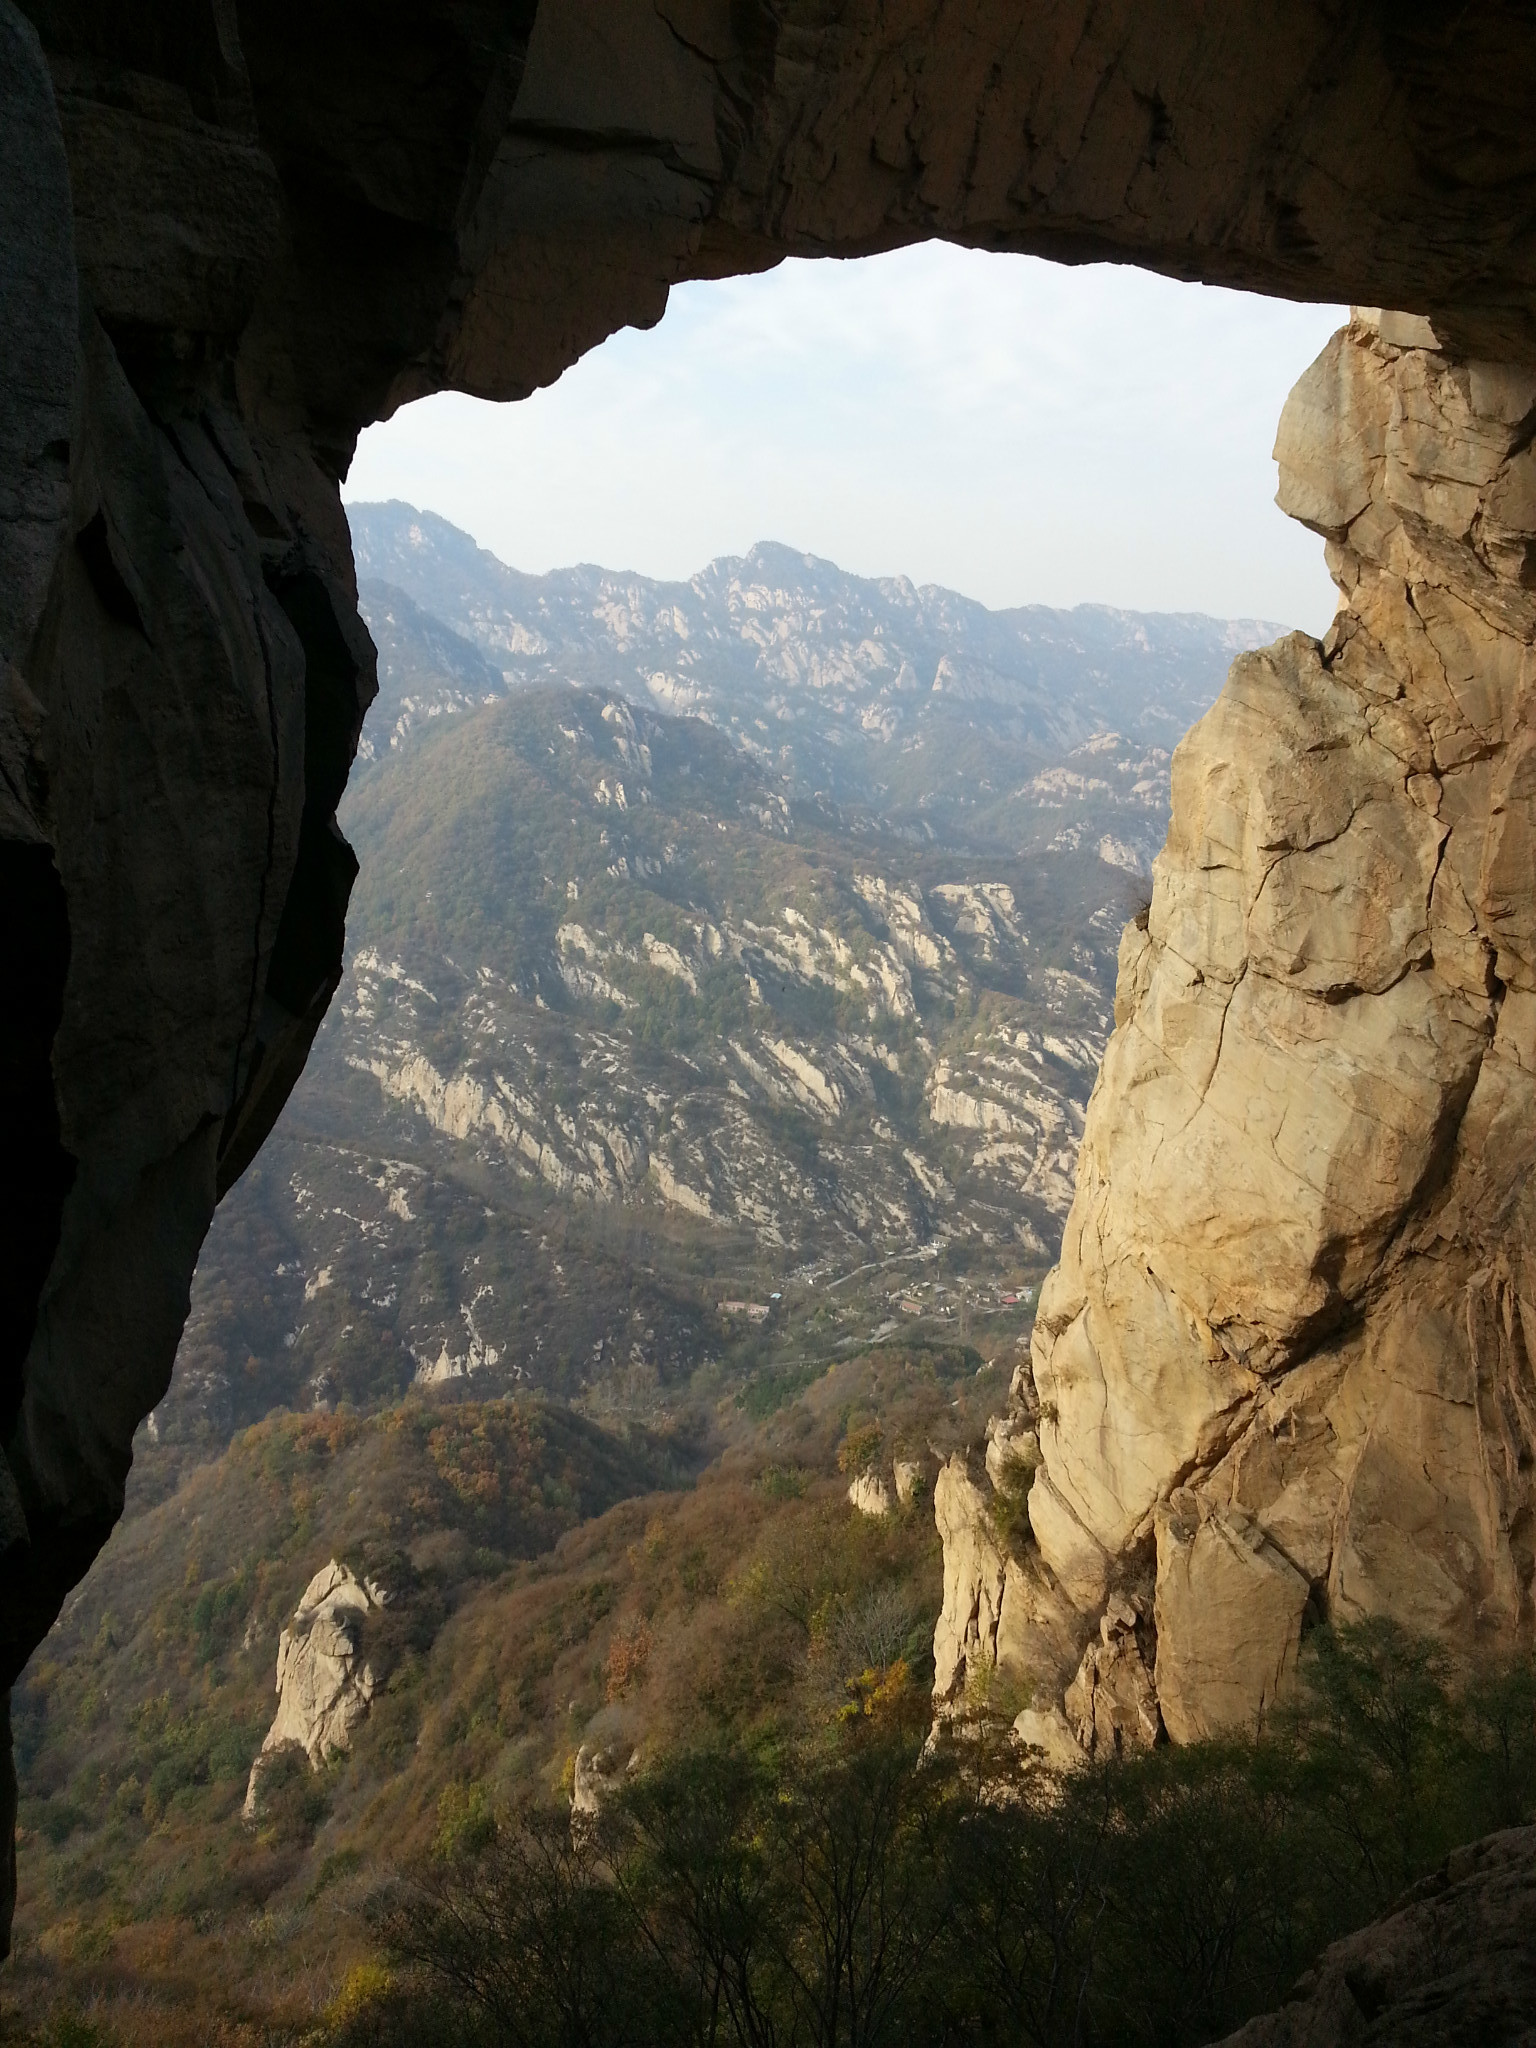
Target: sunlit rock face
{"x":1285,"y":1364}
{"x":1001,"y":1611}
{"x":325,"y":1684}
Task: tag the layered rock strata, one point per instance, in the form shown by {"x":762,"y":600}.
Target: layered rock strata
{"x":1285,"y":1365}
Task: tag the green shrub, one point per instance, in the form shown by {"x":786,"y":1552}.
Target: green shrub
{"x":767,"y":1392}
{"x":69,"y":2030}
{"x":782,"y":1482}
{"x":292,"y":1797}
{"x":860,"y":1449}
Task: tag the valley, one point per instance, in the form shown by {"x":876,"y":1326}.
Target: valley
{"x":687,"y":1142}
{"x":640,"y":1017}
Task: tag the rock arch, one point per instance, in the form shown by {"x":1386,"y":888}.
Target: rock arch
{"x":233,"y":234}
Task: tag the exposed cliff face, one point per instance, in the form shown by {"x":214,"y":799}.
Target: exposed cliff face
{"x":184,"y":680}
{"x":1287,"y":1357}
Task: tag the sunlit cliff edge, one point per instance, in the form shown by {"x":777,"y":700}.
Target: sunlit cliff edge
{"x":1283,"y":1370}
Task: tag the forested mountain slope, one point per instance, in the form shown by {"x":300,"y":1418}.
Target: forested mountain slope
{"x":644,"y":1014}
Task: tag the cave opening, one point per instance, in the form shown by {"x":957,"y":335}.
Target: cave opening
{"x":1282,"y":1371}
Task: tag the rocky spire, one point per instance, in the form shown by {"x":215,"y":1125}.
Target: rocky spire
{"x":1285,"y":1364}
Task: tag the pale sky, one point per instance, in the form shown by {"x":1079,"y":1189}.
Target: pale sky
{"x":1019,"y":431}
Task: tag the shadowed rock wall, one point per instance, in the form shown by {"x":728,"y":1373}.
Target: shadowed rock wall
{"x":234,"y":234}
{"x":1453,"y":1967}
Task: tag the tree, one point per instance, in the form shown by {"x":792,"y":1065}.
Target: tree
{"x":528,"y":1936}
{"x":857,"y":1837}
{"x":700,"y":1881}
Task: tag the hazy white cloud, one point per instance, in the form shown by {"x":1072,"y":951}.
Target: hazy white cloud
{"x":1014,"y":429}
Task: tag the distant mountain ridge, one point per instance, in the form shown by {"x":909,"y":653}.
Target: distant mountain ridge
{"x":832,"y":681}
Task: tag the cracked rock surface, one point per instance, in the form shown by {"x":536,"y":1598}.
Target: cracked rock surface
{"x":1455,"y":1966}
{"x":1286,"y":1361}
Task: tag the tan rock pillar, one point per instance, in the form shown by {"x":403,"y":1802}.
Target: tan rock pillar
{"x":1297,"y":1282}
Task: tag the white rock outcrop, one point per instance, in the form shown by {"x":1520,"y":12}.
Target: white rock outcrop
{"x":596,"y":1775}
{"x":324,"y":1684}
{"x":1000,"y":1611}
{"x":911,"y":1478}
{"x":870,"y":1495}
{"x":975,"y":1570}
